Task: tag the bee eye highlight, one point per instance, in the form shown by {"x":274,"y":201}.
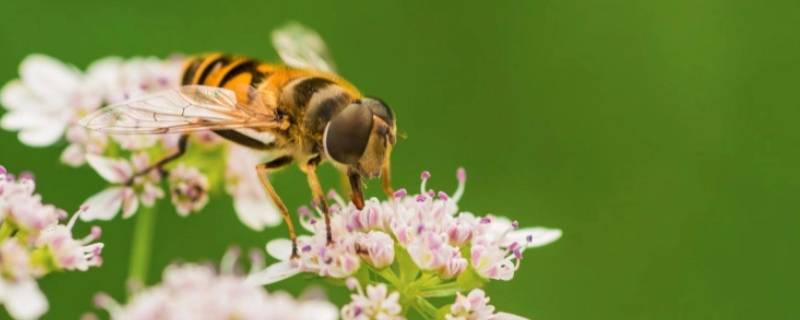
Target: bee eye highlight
{"x":347,"y":134}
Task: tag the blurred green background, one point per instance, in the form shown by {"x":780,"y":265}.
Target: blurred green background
{"x":659,"y":135}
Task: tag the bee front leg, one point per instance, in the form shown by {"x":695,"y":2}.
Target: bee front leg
{"x":310,"y":170}
{"x":386,"y":178}
{"x":263,"y":170}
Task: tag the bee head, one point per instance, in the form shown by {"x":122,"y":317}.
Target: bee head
{"x":361,"y":136}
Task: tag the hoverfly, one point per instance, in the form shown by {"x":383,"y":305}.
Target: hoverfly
{"x":300,"y":112}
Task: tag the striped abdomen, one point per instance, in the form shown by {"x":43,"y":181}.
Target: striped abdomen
{"x":310,"y":99}
{"x":232,"y":72}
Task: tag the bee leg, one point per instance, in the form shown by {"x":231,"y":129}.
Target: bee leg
{"x":386,"y":179}
{"x":262,"y":170}
{"x":356,"y":194}
{"x":183,"y":141}
{"x":319,"y":197}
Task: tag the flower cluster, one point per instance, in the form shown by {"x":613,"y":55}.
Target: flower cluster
{"x":475,"y":306}
{"x":34,"y":243}
{"x":192,"y":291}
{"x":47,"y":102}
{"x":375,"y":303}
{"x":421,"y":245}
{"x":378,"y":303}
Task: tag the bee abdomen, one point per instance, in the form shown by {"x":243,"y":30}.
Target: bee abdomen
{"x":220,"y":70}
{"x":238,"y":74}
{"x":200,"y":68}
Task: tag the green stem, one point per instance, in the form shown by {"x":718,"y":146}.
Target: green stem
{"x":388,"y":275}
{"x":142,"y":246}
{"x":425,"y":308}
{"x":442,"y":290}
{"x":5,"y":230}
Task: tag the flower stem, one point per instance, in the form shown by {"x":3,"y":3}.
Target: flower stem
{"x":425,"y":308}
{"x":5,"y":230}
{"x":142,"y":247}
{"x":442,"y":290}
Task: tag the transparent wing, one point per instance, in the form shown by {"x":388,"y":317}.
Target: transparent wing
{"x":301,"y":47}
{"x":188,"y":108}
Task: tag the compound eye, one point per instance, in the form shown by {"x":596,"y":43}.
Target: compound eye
{"x":380,"y":109}
{"x":347,"y":134}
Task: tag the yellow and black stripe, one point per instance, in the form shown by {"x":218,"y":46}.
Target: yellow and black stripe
{"x":309,"y":98}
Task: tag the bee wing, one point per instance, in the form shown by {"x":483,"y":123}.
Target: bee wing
{"x":301,"y":47}
{"x":188,"y":108}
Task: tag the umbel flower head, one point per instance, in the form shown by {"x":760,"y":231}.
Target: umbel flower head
{"x":194,"y":291}
{"x":34,"y":243}
{"x":420,"y":244}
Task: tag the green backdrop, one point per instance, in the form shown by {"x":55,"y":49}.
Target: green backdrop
{"x":659,"y":135}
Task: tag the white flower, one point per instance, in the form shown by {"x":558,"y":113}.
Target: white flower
{"x":250,"y":201}
{"x":193,"y":291}
{"x":377,"y":248}
{"x":189,"y":189}
{"x":497,"y":247}
{"x":377,"y":303}
{"x":121,"y":79}
{"x":69,"y":253}
{"x":114,"y":79}
{"x":33,"y":244}
{"x":49,"y":96}
{"x":125,"y":193}
{"x":428,"y":226}
{"x":15,"y":261}
{"x":23,"y":207}
{"x":23,"y":299}
{"x":82,"y":141}
{"x":475,"y":306}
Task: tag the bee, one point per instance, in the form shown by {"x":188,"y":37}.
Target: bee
{"x":299,"y":112}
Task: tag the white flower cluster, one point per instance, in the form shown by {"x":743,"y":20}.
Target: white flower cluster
{"x":47,"y":102}
{"x":192,"y":291}
{"x":34,"y":243}
{"x":376,"y":302}
{"x":475,"y":306}
{"x":427,"y":226}
{"x":437,"y":250}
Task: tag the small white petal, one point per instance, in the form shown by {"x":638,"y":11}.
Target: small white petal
{"x":280,"y":249}
{"x":274,"y":273}
{"x":42,"y":136}
{"x":130,"y":203}
{"x":15,"y":96}
{"x":108,"y":169}
{"x":73,"y":155}
{"x":256,"y":212}
{"x":24,"y":300}
{"x":104,"y":205}
{"x":507,"y":316}
{"x":539,"y":236}
{"x":318,"y":310}
{"x":50,"y":79}
{"x":21,"y":119}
